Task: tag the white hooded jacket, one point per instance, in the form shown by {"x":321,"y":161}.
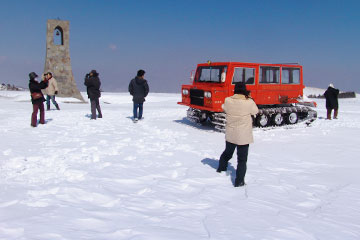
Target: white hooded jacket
{"x":238,"y":111}
{"x":52,"y":87}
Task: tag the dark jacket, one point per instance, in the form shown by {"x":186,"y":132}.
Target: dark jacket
{"x":331,"y":95}
{"x":93,"y":86}
{"x":139,"y":89}
{"x":35,"y":86}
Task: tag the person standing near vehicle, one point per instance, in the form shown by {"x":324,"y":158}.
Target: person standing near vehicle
{"x":139,"y":89}
{"x":92,"y":83}
{"x":238,"y":131}
{"x":51,"y":91}
{"x":37,"y":98}
{"x":331,"y":95}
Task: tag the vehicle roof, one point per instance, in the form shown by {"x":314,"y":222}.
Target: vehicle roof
{"x":248,"y":63}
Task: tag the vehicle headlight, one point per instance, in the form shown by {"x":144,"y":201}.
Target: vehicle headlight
{"x":185,"y":92}
{"x":207,"y":94}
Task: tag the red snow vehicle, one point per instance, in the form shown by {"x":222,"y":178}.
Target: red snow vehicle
{"x":277,"y":89}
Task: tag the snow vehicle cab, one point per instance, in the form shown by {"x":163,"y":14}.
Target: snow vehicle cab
{"x":277,"y":89}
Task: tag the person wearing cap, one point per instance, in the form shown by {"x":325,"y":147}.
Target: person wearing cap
{"x":37,"y":98}
{"x":331,"y":95}
{"x":238,"y":130}
{"x":51,"y":91}
{"x":92,"y":83}
{"x":139,"y":89}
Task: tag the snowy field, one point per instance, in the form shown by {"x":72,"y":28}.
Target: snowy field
{"x":111,"y":179}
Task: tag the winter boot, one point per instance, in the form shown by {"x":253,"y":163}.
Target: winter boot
{"x":48,"y":107}
{"x":239,"y":183}
{"x":57,"y":107}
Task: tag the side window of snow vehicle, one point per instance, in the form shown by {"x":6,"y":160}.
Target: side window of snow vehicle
{"x":290,"y":75}
{"x":210,"y":74}
{"x":246,"y":75}
{"x":269,"y":75}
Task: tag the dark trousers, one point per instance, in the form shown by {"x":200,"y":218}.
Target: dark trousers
{"x":36,"y":107}
{"x":135,"y":110}
{"x":329,"y":110}
{"x":95,"y":105}
{"x":52,"y":98}
{"x":242,"y":154}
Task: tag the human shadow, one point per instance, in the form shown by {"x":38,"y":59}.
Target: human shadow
{"x":206,"y":126}
{"x":47,"y":120}
{"x":215,"y":164}
{"x":89,"y":116}
{"x":132,"y":118}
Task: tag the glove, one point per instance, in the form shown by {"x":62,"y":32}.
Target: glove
{"x":56,"y":92}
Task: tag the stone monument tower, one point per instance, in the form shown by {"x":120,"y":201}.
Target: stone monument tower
{"x":58,"y":58}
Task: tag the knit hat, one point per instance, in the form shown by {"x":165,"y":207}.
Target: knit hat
{"x":331,"y":85}
{"x":32,"y":75}
{"x":140,"y":73}
{"x":94,"y":73}
{"x":240,"y":88}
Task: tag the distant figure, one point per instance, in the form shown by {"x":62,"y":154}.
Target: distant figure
{"x":238,"y":130}
{"x":139,"y":89}
{"x":331,"y":95}
{"x":92,"y":83}
{"x":37,"y":98}
{"x":51,"y":90}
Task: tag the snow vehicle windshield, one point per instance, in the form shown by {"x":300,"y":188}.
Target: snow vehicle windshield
{"x":210,"y":74}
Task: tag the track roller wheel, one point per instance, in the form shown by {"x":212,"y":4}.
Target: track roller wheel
{"x":277,"y":119}
{"x":262,"y":120}
{"x":292,"y":118}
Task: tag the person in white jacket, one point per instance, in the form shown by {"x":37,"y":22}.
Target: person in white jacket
{"x":51,"y":91}
{"x":238,"y":131}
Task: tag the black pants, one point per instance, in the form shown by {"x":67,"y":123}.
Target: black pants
{"x":95,"y":105}
{"x":242,"y":154}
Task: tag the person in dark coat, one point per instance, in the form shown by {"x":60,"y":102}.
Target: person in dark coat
{"x":139,"y":89}
{"x":92,"y":83}
{"x":331,"y":95}
{"x":37,"y":98}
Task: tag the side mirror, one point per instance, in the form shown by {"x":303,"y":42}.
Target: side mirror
{"x":192,"y":75}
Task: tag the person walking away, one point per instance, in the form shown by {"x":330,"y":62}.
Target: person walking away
{"x":37,"y":98}
{"x":92,"y":83}
{"x":238,"y":130}
{"x":139,"y":89}
{"x":51,"y":91}
{"x":331,"y":95}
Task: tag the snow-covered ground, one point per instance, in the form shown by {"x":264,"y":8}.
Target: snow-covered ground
{"x":75,"y":178}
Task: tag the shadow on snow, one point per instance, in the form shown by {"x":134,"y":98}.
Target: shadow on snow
{"x":215,"y":163}
{"x":202,"y":126}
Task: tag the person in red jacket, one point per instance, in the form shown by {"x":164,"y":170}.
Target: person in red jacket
{"x":37,"y":98}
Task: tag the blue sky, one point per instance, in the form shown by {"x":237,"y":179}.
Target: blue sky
{"x":168,"y":38}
